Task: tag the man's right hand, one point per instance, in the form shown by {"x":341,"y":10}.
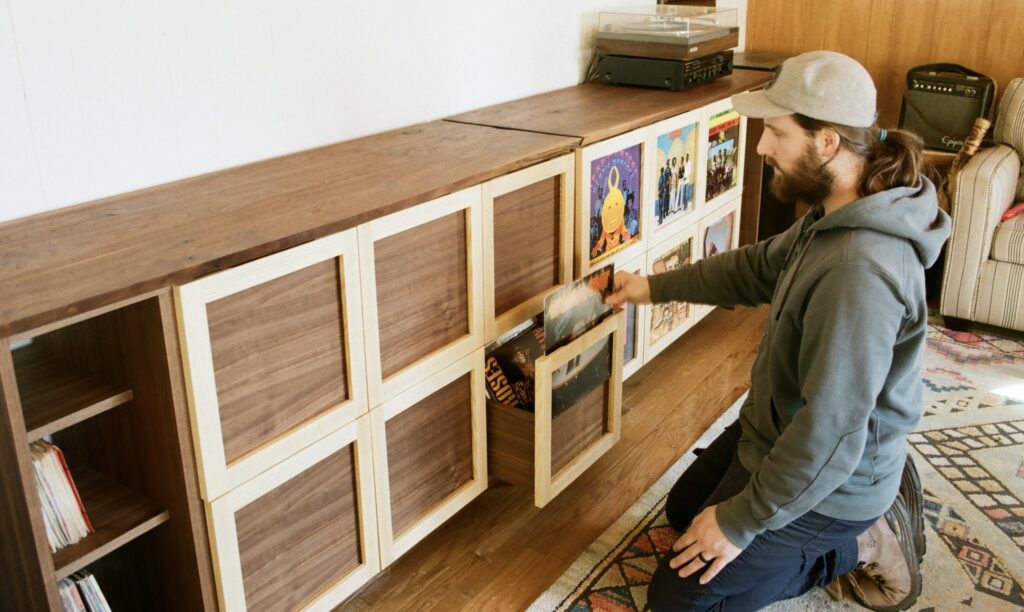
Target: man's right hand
{"x":631,"y":288}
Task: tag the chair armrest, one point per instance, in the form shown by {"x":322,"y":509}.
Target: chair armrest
{"x":984,"y":189}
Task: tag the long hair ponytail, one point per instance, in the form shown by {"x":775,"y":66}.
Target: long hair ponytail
{"x":892,"y":158}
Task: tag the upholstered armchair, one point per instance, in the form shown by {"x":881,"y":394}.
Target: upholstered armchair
{"x":984,"y":272}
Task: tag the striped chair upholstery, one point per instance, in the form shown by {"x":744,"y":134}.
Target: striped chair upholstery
{"x":984,"y":275}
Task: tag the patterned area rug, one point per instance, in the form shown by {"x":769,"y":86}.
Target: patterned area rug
{"x":969,"y":449}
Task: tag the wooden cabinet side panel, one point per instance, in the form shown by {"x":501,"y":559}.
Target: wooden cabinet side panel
{"x":25,"y":563}
{"x":510,"y":444}
{"x":185,"y":536}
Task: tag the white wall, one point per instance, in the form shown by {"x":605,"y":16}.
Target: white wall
{"x":100,"y":97}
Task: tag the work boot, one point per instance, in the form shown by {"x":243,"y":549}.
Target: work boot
{"x":913,"y":495}
{"x":888,"y":575}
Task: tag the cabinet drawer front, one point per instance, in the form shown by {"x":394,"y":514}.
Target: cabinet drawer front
{"x":429,"y":454}
{"x":302,"y":534}
{"x":422,"y":270}
{"x":528,"y":244}
{"x":576,"y":418}
{"x":274,"y":357}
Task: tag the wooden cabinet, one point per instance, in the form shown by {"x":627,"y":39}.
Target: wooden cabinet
{"x":528,"y":241}
{"x":303,"y":534}
{"x":324,"y":303}
{"x":104,"y":387}
{"x":273,"y":353}
{"x":430,"y":454}
{"x":546,"y":450}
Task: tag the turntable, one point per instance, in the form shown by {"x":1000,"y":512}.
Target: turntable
{"x":666,"y":46}
{"x":667,"y":32}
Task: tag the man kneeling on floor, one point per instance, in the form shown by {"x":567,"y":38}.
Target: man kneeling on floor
{"x":812,"y":486}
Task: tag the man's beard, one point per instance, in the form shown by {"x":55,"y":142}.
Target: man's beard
{"x":809,"y":181}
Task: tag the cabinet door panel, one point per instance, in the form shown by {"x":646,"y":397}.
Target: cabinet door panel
{"x":303,"y":534}
{"x":422,"y":272}
{"x":422,"y":291}
{"x":430,"y":453}
{"x":576,"y":418}
{"x":528,"y":240}
{"x":278,"y":354}
{"x":273,"y":354}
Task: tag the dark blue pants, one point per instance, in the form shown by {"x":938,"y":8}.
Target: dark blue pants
{"x":776,"y":565}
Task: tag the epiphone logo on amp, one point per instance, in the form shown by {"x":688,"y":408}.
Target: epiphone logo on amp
{"x":952,"y":143}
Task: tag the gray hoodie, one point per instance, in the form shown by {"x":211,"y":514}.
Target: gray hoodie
{"x":836,"y":384}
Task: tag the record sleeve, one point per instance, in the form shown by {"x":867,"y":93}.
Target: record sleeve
{"x":577,"y":307}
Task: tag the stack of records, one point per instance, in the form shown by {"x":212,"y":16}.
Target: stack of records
{"x":510,"y":365}
{"x":568,"y":313}
{"x":80,"y":592}
{"x":63,"y":512}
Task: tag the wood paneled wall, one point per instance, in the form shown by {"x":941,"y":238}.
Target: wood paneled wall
{"x":891,"y":36}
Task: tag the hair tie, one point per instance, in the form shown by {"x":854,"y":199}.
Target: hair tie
{"x":883,"y":134}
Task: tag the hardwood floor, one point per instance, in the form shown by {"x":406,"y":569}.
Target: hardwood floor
{"x":500,"y":552}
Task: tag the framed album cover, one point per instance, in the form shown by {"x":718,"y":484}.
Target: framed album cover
{"x":673,"y":170}
{"x":723,"y":178}
{"x":610,"y":224}
{"x":666,"y":322}
{"x":636,"y":330}
{"x":577,"y":307}
{"x":718,"y":232}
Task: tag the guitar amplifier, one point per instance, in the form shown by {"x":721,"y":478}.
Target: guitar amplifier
{"x":942,"y":101}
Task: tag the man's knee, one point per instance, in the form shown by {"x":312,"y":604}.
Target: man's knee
{"x":668,"y":592}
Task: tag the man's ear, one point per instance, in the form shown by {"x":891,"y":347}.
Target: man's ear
{"x":828,"y":142}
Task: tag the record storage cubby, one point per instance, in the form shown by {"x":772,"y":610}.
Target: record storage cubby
{"x":102,"y":388}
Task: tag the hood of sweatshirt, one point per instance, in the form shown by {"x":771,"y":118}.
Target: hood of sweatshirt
{"x":905,"y":212}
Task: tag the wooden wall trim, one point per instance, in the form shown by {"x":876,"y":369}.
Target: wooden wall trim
{"x":891,"y":36}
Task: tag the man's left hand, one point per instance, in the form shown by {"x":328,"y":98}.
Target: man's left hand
{"x":702,"y":545}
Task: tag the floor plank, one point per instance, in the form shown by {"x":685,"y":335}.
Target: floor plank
{"x":500,"y":552}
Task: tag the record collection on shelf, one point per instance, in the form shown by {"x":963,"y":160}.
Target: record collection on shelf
{"x":63,"y":512}
{"x":568,"y":313}
{"x":80,"y":592}
{"x":66,"y":523}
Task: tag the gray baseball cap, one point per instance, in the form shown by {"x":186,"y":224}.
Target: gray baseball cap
{"x":823,"y":85}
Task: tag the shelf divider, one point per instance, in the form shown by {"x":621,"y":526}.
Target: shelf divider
{"x":55,"y":396}
{"x":118,"y":515}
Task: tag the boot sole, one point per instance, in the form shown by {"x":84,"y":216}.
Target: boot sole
{"x":899,"y":521}
{"x":913,"y":496}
